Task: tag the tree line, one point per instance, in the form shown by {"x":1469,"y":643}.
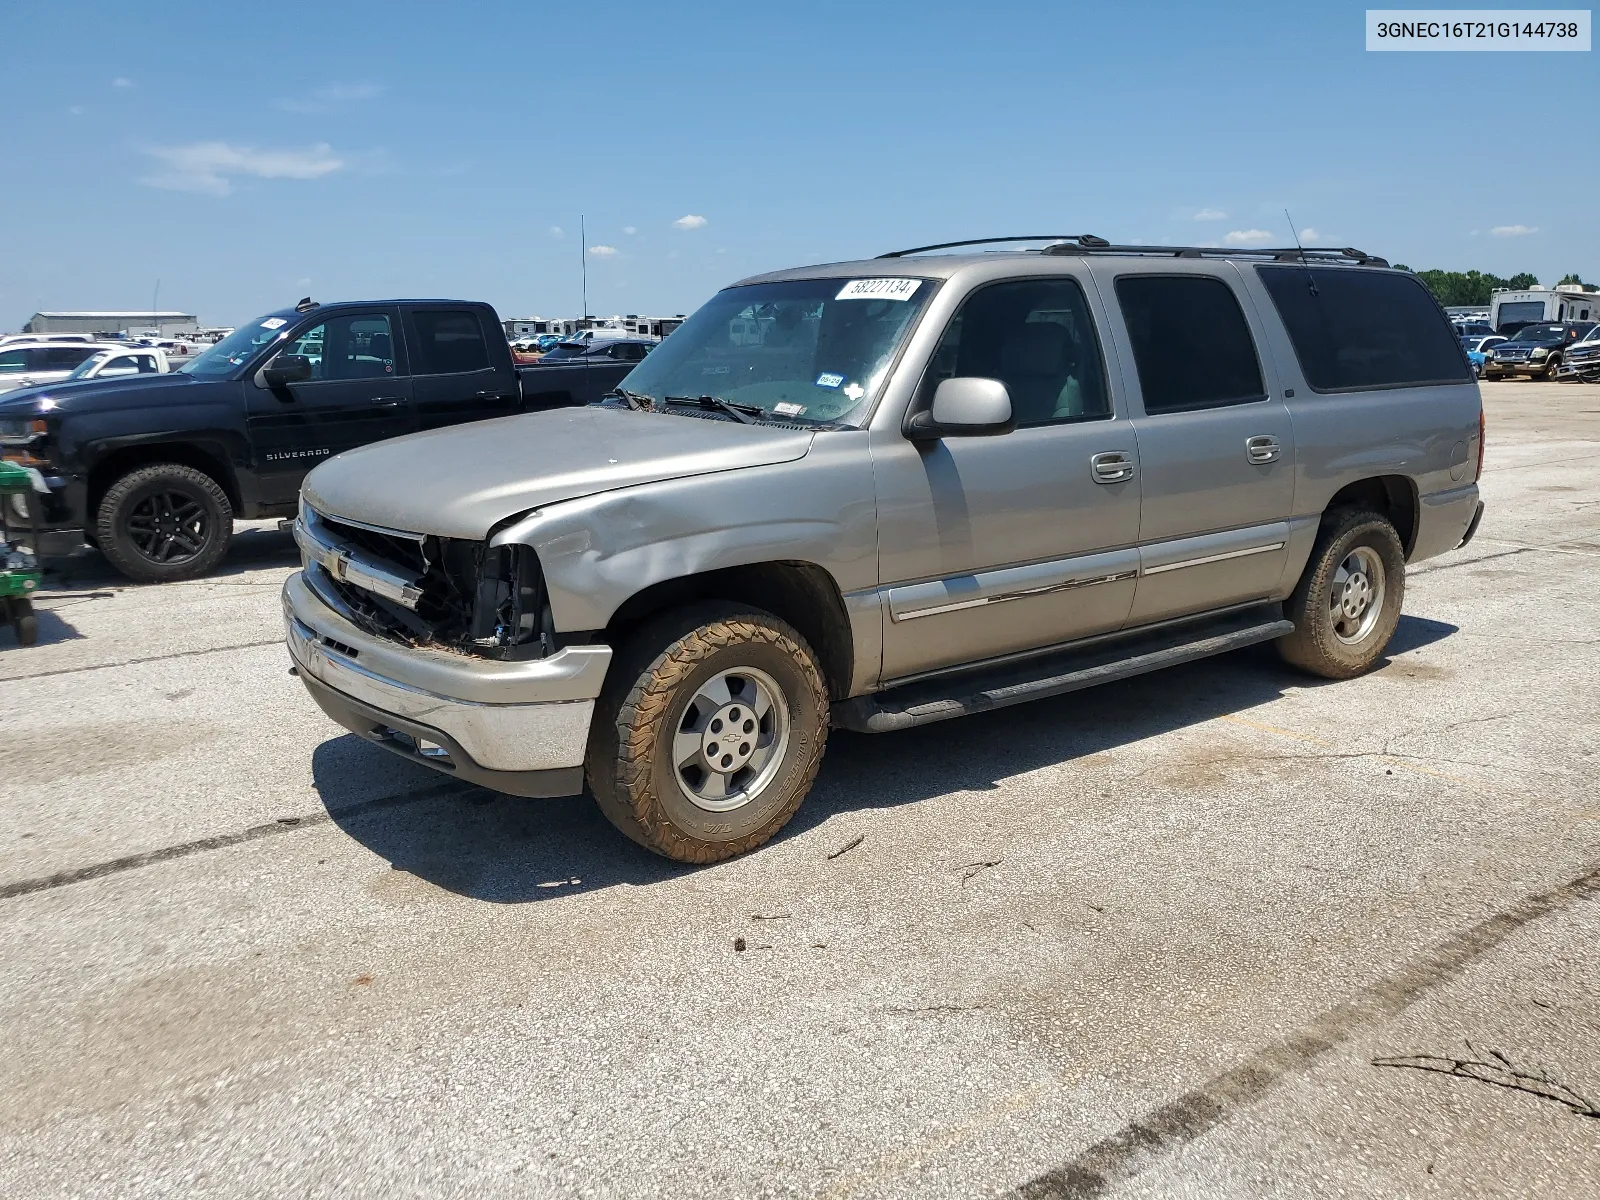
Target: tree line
{"x":1473,"y":287}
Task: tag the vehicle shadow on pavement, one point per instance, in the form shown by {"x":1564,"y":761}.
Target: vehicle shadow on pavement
{"x":255,"y":546}
{"x":508,"y":850}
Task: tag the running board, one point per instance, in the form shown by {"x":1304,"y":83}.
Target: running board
{"x":946,"y":696}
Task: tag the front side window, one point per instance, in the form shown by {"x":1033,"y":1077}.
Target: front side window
{"x":1036,"y":337}
{"x":1190,"y":342}
{"x":449,"y":343}
{"x":63,"y":358}
{"x":13,"y":362}
{"x":354,"y":347}
{"x":807,"y":350}
{"x":1355,"y":328}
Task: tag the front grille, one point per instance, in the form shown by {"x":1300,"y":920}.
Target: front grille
{"x":394,"y":548}
{"x":1577,"y":356}
{"x":432,"y":591}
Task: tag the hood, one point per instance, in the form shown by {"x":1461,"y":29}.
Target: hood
{"x":86,"y":395}
{"x":461,"y":481}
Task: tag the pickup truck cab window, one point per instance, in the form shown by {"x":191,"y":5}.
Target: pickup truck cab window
{"x":449,"y":343}
{"x":1036,"y":337}
{"x":357,"y":347}
{"x":1190,"y":342}
{"x":809,"y":350}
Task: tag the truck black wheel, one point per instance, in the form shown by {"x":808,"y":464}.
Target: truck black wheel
{"x":1347,"y":603}
{"x":709,"y":732}
{"x":164,"y":522}
{"x":24,"y":622}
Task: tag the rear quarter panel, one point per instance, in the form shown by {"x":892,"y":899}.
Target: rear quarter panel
{"x":1427,"y":435}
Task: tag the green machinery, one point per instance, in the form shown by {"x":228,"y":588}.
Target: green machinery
{"x":19,"y":569}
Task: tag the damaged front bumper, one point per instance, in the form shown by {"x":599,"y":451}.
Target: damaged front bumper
{"x":517,"y":727}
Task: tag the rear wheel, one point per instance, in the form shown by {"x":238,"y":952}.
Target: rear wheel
{"x":709,"y":732}
{"x":164,"y":522}
{"x":1347,"y":603}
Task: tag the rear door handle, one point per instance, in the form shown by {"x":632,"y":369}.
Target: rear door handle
{"x":387,"y":401}
{"x":1262,"y":448}
{"x":1112,"y":466}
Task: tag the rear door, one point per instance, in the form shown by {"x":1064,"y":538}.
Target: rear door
{"x":455,"y":378}
{"x":1216,"y":445}
{"x":358,"y":393}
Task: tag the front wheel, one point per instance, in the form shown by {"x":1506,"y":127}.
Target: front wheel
{"x":709,"y":732}
{"x":1347,"y":603}
{"x":164,"y":522}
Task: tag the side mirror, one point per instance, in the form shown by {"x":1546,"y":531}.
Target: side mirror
{"x":966,"y":406}
{"x":287,"y":368}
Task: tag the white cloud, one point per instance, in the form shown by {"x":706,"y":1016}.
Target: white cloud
{"x":629,"y":230}
{"x":1514,"y":230}
{"x":122,"y":81}
{"x":557,"y":231}
{"x":1246,"y":237}
{"x":689,"y":221}
{"x":322,"y":99}
{"x":603,"y":251}
{"x":1309,"y":234}
{"x":1211,"y":214}
{"x":209,"y":166}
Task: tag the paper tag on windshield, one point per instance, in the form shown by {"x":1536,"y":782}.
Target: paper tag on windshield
{"x":829,"y":379}
{"x":788,"y":410}
{"x":274,"y":323}
{"x":878,"y":289}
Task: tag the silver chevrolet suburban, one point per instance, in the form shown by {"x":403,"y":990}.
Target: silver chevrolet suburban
{"x":871,"y":495}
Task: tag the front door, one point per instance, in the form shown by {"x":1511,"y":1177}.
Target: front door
{"x":995,"y":545}
{"x":453,"y":377}
{"x":1216,"y":445}
{"x":358,"y":393}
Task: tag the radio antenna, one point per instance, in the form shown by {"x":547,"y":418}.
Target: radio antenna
{"x":1311,"y":280}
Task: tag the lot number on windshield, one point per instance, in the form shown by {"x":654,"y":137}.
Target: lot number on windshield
{"x":878,"y":289}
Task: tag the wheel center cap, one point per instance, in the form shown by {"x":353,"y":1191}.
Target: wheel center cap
{"x":1356,"y":591}
{"x":730,"y":738}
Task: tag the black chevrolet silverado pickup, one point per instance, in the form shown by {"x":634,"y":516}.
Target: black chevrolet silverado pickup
{"x":153,"y":469}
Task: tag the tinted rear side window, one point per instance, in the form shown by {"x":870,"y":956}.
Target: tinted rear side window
{"x":449,"y":342}
{"x":1364,"y":329}
{"x":1190,"y":342}
{"x":63,"y":358}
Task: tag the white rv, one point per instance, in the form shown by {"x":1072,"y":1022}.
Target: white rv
{"x":1509,"y":311}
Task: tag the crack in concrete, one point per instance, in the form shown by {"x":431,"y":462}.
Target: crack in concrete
{"x":1148,"y":1139}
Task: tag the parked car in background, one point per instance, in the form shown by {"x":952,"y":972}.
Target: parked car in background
{"x":1473,"y":328}
{"x":920,"y":486}
{"x":1536,"y":351}
{"x":628,"y":350}
{"x":10,"y":338}
{"x":1477,"y":348}
{"x":1581,"y":361}
{"x":27,"y":364}
{"x":116,"y":362}
{"x":153,"y":468}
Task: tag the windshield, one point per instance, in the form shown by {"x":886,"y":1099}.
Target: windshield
{"x":236,"y":349}
{"x":811,"y":350}
{"x":89,"y":364}
{"x":1539,"y":333}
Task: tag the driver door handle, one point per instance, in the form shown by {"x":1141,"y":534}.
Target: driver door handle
{"x":1263,"y":448}
{"x":1112,"y":466}
{"x":386,"y":402}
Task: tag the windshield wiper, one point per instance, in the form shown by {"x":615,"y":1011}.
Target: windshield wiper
{"x":748,"y":414}
{"x":632,"y":399}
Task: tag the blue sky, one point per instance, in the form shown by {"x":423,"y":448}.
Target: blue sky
{"x":245,"y":155}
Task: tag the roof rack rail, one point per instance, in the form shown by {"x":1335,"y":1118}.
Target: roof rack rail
{"x":1088,"y":243}
{"x":1084,"y":239}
